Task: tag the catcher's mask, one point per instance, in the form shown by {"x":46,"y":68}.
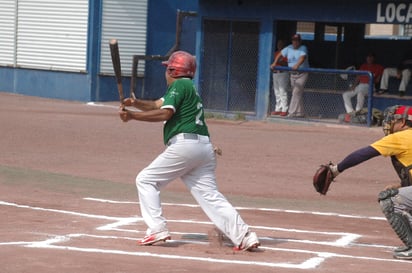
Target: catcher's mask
{"x":181,"y":64}
{"x":393,"y":114}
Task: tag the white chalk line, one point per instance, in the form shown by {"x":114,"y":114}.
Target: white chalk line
{"x":248,"y":208}
{"x":346,"y":239}
{"x":94,"y":104}
{"x":91,"y":103}
{"x":64,"y":212}
{"x":308,"y":264}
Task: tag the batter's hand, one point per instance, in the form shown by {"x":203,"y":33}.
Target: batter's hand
{"x":128,"y":102}
{"x":124,"y":114}
{"x":217,"y":150}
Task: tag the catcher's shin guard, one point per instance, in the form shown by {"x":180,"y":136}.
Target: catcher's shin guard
{"x":399,"y":221}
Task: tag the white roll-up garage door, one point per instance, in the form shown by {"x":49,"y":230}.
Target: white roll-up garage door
{"x":8,"y":10}
{"x":126,"y":21}
{"x":52,"y":34}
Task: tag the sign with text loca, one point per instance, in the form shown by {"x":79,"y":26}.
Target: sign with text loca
{"x":394,"y":13}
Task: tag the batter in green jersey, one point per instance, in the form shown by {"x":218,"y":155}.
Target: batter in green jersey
{"x":184,"y":100}
{"x":189,"y":155}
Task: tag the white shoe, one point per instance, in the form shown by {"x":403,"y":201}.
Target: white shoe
{"x":249,"y":242}
{"x":155,"y":237}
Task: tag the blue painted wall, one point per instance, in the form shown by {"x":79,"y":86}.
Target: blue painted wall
{"x":90,"y":86}
{"x":161,"y":37}
{"x":269,"y":12}
{"x":353,"y":11}
{"x":49,"y":84}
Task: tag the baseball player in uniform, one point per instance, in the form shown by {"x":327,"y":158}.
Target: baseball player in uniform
{"x":297,"y":56}
{"x":395,"y":200}
{"x":189,"y":155}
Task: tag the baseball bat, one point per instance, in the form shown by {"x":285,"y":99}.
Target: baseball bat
{"x":114,"y":51}
{"x":134,"y":76}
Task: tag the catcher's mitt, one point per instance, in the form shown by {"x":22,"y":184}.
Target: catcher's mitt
{"x":323,"y":178}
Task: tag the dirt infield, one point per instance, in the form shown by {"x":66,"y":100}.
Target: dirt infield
{"x":68,"y":202}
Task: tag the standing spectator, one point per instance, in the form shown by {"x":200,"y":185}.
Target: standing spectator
{"x":297,"y":56}
{"x":401,"y":72}
{"x":189,"y":155}
{"x":360,"y":87}
{"x":280,"y":82}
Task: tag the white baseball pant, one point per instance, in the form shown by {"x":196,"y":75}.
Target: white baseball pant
{"x":360,"y":91}
{"x":194,"y":161}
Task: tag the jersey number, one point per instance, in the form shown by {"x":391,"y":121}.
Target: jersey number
{"x":199,"y":114}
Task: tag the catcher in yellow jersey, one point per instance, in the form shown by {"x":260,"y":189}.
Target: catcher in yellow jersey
{"x":395,"y":200}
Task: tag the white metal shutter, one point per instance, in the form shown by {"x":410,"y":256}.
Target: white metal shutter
{"x":52,"y":34}
{"x":8,"y":11}
{"x":126,"y":21}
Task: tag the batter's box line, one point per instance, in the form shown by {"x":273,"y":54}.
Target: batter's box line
{"x":50,"y":243}
{"x":318,"y":213}
{"x":310,"y":263}
{"x":121,"y":221}
{"x":345,"y":239}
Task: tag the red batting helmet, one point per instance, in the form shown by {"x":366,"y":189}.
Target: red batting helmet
{"x":181,"y":64}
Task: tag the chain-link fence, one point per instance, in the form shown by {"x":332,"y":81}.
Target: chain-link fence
{"x":229,"y":65}
{"x":323,"y":96}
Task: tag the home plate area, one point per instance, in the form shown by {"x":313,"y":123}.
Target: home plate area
{"x":290,"y":239}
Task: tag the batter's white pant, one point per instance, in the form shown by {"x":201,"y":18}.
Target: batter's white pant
{"x":297,"y":82}
{"x":194,"y":162}
{"x":360,"y":91}
{"x":280,"y":84}
{"x":392,"y":72}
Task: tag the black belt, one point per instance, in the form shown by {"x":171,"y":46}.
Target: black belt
{"x":182,"y":136}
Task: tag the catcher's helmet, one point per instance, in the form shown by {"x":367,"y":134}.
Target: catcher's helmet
{"x":181,"y":64}
{"x":394,"y":113}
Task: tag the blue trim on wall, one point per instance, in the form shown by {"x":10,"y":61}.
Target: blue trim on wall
{"x":263,"y":75}
{"x":7,"y":79}
{"x":93,"y":47}
{"x":349,"y":11}
{"x":49,"y":84}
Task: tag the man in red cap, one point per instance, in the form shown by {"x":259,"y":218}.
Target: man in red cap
{"x":360,"y":88}
{"x":395,"y":200}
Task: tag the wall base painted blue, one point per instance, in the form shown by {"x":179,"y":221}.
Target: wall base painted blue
{"x":50,"y":84}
